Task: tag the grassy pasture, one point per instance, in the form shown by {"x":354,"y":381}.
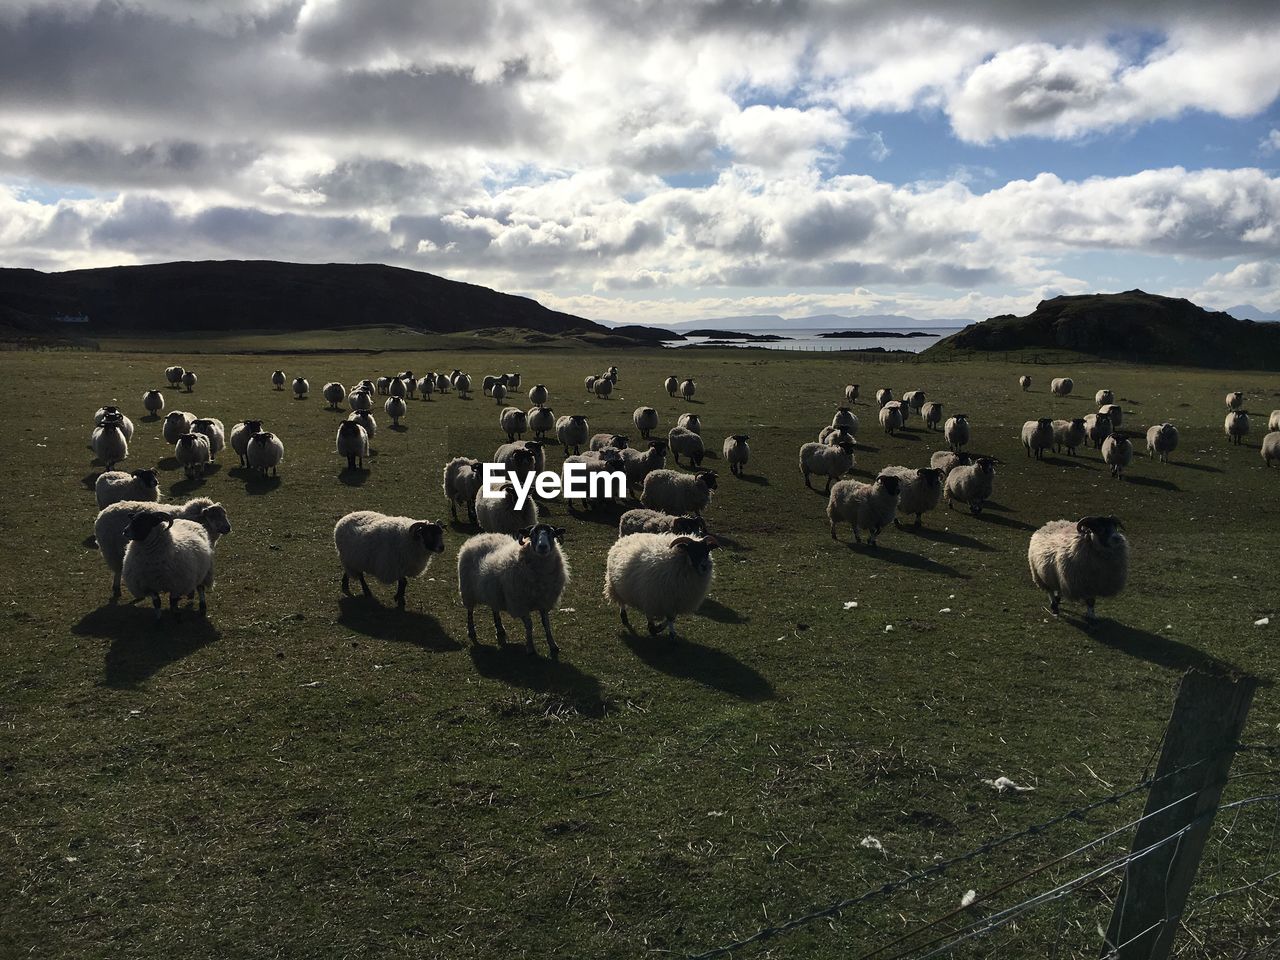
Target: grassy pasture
{"x":304,"y":775}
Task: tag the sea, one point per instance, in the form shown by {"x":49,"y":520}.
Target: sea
{"x":809,"y":340}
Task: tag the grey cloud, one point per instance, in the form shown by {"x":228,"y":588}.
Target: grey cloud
{"x":95,"y":161}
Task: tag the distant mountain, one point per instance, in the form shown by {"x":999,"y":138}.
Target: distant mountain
{"x":823,"y":321}
{"x":265,"y":295}
{"x":1247,"y":311}
{"x":1133,"y":325}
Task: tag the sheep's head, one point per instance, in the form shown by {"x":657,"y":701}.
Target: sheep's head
{"x":142,"y":524}
{"x":1103,"y":418}
{"x":961,"y":418}
{"x":534,"y":447}
{"x":889,"y":484}
{"x":986,"y":464}
{"x":148,"y":478}
{"x":930,"y":476}
{"x":278,"y":373}
{"x":689,"y":525}
{"x":262,"y":436}
{"x":648,"y":412}
{"x":618,"y":441}
{"x":430,"y":533}
{"x":1077,"y":422}
{"x":740,"y":438}
{"x":251,"y":426}
{"x":708,"y":478}
{"x":347,"y":428}
{"x":698,"y":550}
{"x":578,"y":420}
{"x":214,"y":519}
{"x":658,"y":445}
{"x":1104,"y":531}
{"x":845,"y":445}
{"x":112,"y":411}
{"x":542,"y":537}
{"x":1046,"y":422}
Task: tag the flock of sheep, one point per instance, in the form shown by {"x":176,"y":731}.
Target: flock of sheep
{"x":661,"y":563}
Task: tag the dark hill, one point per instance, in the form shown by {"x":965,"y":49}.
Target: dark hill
{"x":267,"y":296}
{"x":1134,"y":325}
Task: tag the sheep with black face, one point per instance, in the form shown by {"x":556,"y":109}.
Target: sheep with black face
{"x":392,"y":549}
{"x":1079,"y":560}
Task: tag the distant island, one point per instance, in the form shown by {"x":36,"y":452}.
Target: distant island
{"x":734,"y":335}
{"x":873,"y":334}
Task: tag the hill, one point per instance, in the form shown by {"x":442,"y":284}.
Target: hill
{"x":1134,"y":325}
{"x":269,"y":296}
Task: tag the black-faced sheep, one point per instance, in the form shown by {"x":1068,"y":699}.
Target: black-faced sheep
{"x":1079,"y":560}
{"x":1162,"y":440}
{"x":463,"y":478}
{"x":300,"y":388}
{"x":334,"y":393}
{"x":353,"y":443}
{"x":672,"y":386}
{"x":167,"y":555}
{"x":642,"y":520}
{"x":1117,"y":453}
{"x":392,"y":549}
{"x":919,"y":490}
{"x":682,"y":441}
{"x":153,"y":402}
{"x":1037,"y":436}
{"x":192,"y":452}
{"x":662,"y":575}
{"x":678,"y":493}
{"x":956,"y":432}
{"x":1236,"y":425}
{"x":116,"y":485}
{"x":265,"y":452}
{"x":971,"y":484}
{"x":1068,"y":435}
{"x":515,"y":575}
{"x":832,"y":461}
{"x":240,"y":435}
{"x":865,"y":506}
{"x":109,"y":527}
{"x":736,"y":452}
{"x":572,"y":431}
{"x":277,"y":379}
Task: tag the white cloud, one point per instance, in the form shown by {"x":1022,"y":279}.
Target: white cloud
{"x":1270,"y":143}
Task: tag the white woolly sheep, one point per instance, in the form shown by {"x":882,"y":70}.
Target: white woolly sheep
{"x":193,"y":453}
{"x":736,"y":452}
{"x":642,"y":520}
{"x":638,"y":464}
{"x":538,"y":394}
{"x":514,"y":422}
{"x":914,"y":399}
{"x":109,"y":443}
{"x":212,"y":428}
{"x":397,"y":388}
{"x":851,"y":393}
{"x":499,"y":393}
{"x":167,"y":555}
{"x":602,"y":441}
{"x":1271,"y":447}
{"x":176,"y":423}
{"x":678,"y":493}
{"x":395,"y":408}
{"x":300,"y":388}
{"x":1024,"y":382}
{"x":515,"y":575}
{"x":153,"y":402}
{"x":443,"y":383}
{"x":392,"y":549}
{"x":365,"y":419}
{"x":1079,"y":560}
{"x":1236,"y":425}
{"x":832,"y":461}
{"x":645,"y":420}
{"x":427,"y":386}
{"x":520,"y":458}
{"x":919,"y":490}
{"x":240,"y":435}
{"x":683,"y":441}
{"x":353,"y":443}
{"x":1104,"y":397}
{"x":1273,"y":421}
{"x":361,"y":400}
{"x":883,"y":396}
{"x":1117,"y":452}
{"x":489,"y":382}
{"x":971,"y":484}
{"x":956,"y":432}
{"x":265,"y":452}
{"x":1235,"y":400}
{"x":612,"y":374}
{"x":1162,"y":440}
{"x":691,"y":422}
{"x":1037,"y":436}
{"x":116,"y":485}
{"x":1061,"y":386}
{"x":113,"y":413}
{"x":662,"y":575}
{"x":865,"y":506}
{"x":278,"y":379}
{"x":174,"y":375}
{"x":945,"y":460}
{"x":1068,"y":435}
{"x":572,"y":431}
{"x":542,"y":420}
{"x":591,"y":384}
{"x":932,"y":413}
{"x":382,"y":386}
{"x":109,"y":527}
{"x":1115,"y":413}
{"x":463,"y":385}
{"x":454,"y":377}
{"x":891,"y":417}
{"x":410,"y":386}
{"x":846,"y":420}
{"x":463,"y":478}
{"x":189,"y":380}
{"x":672,"y":386}
{"x":688,"y":388}
{"x":835,"y":435}
{"x":603,"y":388}
{"x":1097,"y":427}
{"x":608,"y":460}
{"x":334,"y":393}
{"x":499,"y":514}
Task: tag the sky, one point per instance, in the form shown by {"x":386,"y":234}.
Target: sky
{"x":660,"y":160}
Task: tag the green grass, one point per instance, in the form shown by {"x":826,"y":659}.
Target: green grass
{"x":308,"y":776}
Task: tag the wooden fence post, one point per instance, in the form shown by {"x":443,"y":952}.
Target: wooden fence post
{"x":1208,"y":715}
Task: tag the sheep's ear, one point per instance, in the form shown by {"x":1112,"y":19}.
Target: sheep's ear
{"x":523,"y":534}
{"x":682,"y":543}
{"x":558,"y":533}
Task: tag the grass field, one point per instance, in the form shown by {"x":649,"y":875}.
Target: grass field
{"x":309,"y":776}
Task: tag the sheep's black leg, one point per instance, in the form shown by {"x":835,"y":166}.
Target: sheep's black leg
{"x":833,"y":532}
{"x":654,"y":628}
{"x":404,"y":582}
{"x":625,"y":622}
{"x":671,"y":629}
{"x":115,"y":583}
{"x":1055,"y":601}
{"x":471,"y":624}
{"x":155,"y":602}
{"x":1088,"y":610}
{"x":806,"y":480}
{"x":498,"y":628}
{"x":453,"y":508}
{"x":546,"y":629}
{"x":204,"y":606}
{"x":346,"y":584}
{"x":365,"y":587}
{"x":898,"y":523}
{"x":529,"y":648}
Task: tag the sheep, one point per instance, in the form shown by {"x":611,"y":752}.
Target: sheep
{"x":663,"y":575}
{"x":830,"y":460}
{"x":1097,"y":427}
{"x":846,"y":420}
{"x":153,"y":402}
{"x":463,"y":478}
{"x":612,"y":374}
{"x":353,"y":443}
{"x":956,"y":432}
{"x":688,"y":388}
{"x":166,"y":555}
{"x":427,"y":386}
{"x":1235,"y":400}
{"x":642,"y":520}
{"x":1037,"y":436}
{"x":919,"y":490}
{"x":945,"y":460}
{"x":365,"y":419}
{"x":542,"y":420}
{"x":678,"y":493}
{"x":690,"y":421}
{"x":1068,"y":435}
{"x":1104,"y":397}
{"x":383,"y":386}
{"x":189,"y":379}
{"x":410,"y":386}
{"x":1236,"y":425}
{"x":672,"y":386}
{"x":1117,"y":452}
{"x":176,"y":423}
{"x":1273,"y":422}
{"x":488,"y":383}
{"x":361,"y":400}
{"x":904,"y":409}
{"x":300,"y":388}
{"x":443,"y":383}
{"x":1024,"y":382}
{"x":834,"y":435}
{"x":683,"y":441}
{"x":516,"y":575}
{"x":455,"y":376}
{"x":599,"y":441}
{"x":499,"y":514}
{"x":514,"y":422}
{"x":883,"y":396}
{"x":1079,"y":560}
{"x":1271,"y":447}
{"x":395,"y":408}
{"x":891,"y":417}
{"x":1116,"y":414}
{"x":932,"y":413}
{"x":638,"y":464}
{"x":603,"y":388}
{"x":109,"y":443}
{"x":212,"y":428}
{"x":521,"y":459}
{"x":591,"y":384}
{"x":334,"y":393}
{"x":851,"y":393}
{"x":538,"y":394}
{"x":174,"y":375}
{"x":116,"y":485}
{"x":571,"y":431}
{"x":109,"y":527}
{"x":499,"y":393}
{"x":870,"y":506}
{"x":512,"y":381}
{"x":971,"y":484}
{"x":1162,"y":440}
{"x":240,"y":435}
{"x":645,"y":420}
{"x":914,"y":399}
{"x":392,"y":549}
{"x":277,"y":379}
{"x":113,"y":413}
{"x":265,"y":452}
{"x":736,"y":452}
{"x":1061,"y":386}
{"x":608,"y":460}
{"x":192,"y":451}
{"x":463,"y":386}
